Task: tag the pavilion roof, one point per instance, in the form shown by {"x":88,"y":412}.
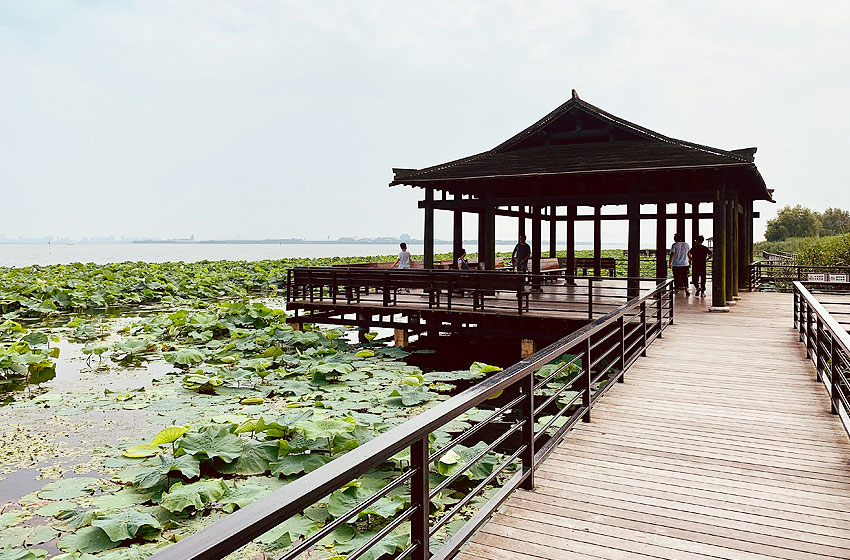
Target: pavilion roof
{"x":578,"y":138}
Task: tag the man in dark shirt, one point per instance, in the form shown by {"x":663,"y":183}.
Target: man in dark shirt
{"x":521,"y":254}
{"x":699,"y":255}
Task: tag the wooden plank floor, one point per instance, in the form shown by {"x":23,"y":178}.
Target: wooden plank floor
{"x":720,"y":444}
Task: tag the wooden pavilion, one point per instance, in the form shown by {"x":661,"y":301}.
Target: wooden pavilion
{"x":579,"y":156}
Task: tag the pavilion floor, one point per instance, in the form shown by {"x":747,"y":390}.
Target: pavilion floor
{"x":719,"y":445}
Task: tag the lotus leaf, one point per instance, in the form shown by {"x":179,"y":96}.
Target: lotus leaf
{"x":343,"y":501}
{"x":325,"y":428}
{"x":11,"y":518}
{"x":169,"y":435}
{"x":478,"y":367}
{"x":88,"y":540}
{"x":125,"y":497}
{"x":22,"y":554}
{"x":214,"y":441}
{"x":289,"y":531}
{"x":410,"y":395}
{"x":127,"y":524}
{"x":459,"y":458}
{"x":297,"y":464}
{"x":68,"y":488}
{"x":195,"y":495}
{"x":390,"y":544}
{"x":184,"y":357}
{"x":187,"y":465}
{"x":141,"y":451}
{"x":74,"y":519}
{"x":255,"y":459}
{"x":242,"y":494}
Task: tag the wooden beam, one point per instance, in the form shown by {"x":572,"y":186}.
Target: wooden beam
{"x":457,"y":233}
{"x":429,"y":229}
{"x":582,"y":200}
{"x":597,"y":241}
{"x":661,"y":241}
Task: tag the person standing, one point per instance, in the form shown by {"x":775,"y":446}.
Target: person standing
{"x":680,"y":255}
{"x":699,"y":255}
{"x":521,"y":254}
{"x":403,"y":260}
{"x":462,"y":262}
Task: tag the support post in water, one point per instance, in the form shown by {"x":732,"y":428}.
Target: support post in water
{"x":401,"y":338}
{"x":527,"y":455}
{"x":527,"y":348}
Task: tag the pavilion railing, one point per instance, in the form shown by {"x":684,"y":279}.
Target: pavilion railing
{"x":551,"y":291}
{"x":827,"y":345}
{"x":502,"y":428}
{"x":778,"y":276}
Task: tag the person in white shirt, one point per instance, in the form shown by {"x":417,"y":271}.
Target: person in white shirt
{"x":403,"y":260}
{"x":680,"y":262}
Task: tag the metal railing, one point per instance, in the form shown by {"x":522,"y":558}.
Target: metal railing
{"x":827,"y":345}
{"x":551,"y":291}
{"x":778,"y":276}
{"x":524,"y":411}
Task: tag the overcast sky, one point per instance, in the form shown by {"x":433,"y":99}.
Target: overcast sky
{"x":282,"y":119}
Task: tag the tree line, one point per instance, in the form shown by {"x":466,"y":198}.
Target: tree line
{"x":798,"y":221}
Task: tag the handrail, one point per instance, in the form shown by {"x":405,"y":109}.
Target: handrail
{"x":779,"y":275}
{"x":234,"y":531}
{"x":827,"y":345}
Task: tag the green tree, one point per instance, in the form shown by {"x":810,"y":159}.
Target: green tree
{"x":793,"y":222}
{"x":834,"y":221}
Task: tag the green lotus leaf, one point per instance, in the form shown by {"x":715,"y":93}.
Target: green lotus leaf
{"x":184,"y":357}
{"x":35,"y":338}
{"x":127,"y":524}
{"x":343,"y":501}
{"x":187,"y":465}
{"x":291,"y":530}
{"x":88,"y":540}
{"x":214,"y":441}
{"x":325,"y":428}
{"x":410,"y":395}
{"x":74,"y":519}
{"x":365,"y":354}
{"x":22,"y":554}
{"x":242,"y":494}
{"x":141,"y":451}
{"x":297,"y":464}
{"x":68,"y":488}
{"x":391,"y":544}
{"x":195,"y":495}
{"x":459,"y":458}
{"x":255,"y":459}
{"x":478,"y":367}
{"x":169,"y":435}
{"x":11,"y":518}
{"x":126,"y":497}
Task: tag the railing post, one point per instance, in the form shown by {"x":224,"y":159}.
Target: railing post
{"x":796,"y":305}
{"x":833,"y":374}
{"x":820,"y":360}
{"x":808,"y":331}
{"x":643,"y":322}
{"x":659,"y":299}
{"x":621,"y":326}
{"x":335,"y":286}
{"x":419,"y":490}
{"x":671,"y":305}
{"x":590,"y":297}
{"x":528,"y":431}
{"x":585,"y":372}
{"x":800,"y":326}
{"x":288,"y":284}
{"x":310,"y":283}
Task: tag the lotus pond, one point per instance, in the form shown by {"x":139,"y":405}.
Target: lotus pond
{"x":142,"y":402}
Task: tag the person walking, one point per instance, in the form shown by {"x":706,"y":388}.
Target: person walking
{"x":699,"y":255}
{"x":680,"y":255}
{"x":521,"y":254}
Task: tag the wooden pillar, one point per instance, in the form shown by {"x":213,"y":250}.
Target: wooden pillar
{"x":661,"y":241}
{"x":729,"y":274}
{"x":571,"y":239}
{"x":527,"y":348}
{"x":521,"y":222}
{"x":633,"y":267}
{"x":553,"y":232}
{"x":743,"y":252}
{"x":597,"y":241}
{"x":401,"y":338}
{"x":489,"y":233}
{"x":694,"y":222}
{"x":736,"y":248}
{"x":718,"y":264}
{"x":457,"y":233}
{"x":429,"y":228}
{"x":536,"y":245}
{"x":482,"y":249}
{"x":680,"y":219}
{"x":749,"y":224}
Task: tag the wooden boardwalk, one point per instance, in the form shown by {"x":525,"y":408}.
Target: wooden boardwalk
{"x":719,"y":445}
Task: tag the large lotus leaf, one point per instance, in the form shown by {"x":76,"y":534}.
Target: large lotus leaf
{"x":410,"y":395}
{"x":343,"y":501}
{"x":325,"y":428}
{"x":26,"y":536}
{"x":125,"y":497}
{"x":141,"y":451}
{"x":169,"y":435}
{"x":35,"y":338}
{"x":74,"y":519}
{"x":87,"y":540}
{"x":127,"y":524}
{"x":289,"y":531}
{"x":184,"y":357}
{"x":255,"y":458}
{"x":390,"y":544}
{"x":214,"y":441}
{"x":22,"y":554}
{"x":68,"y":488}
{"x":180,"y":496}
{"x":478,"y":367}
{"x":296,"y":464}
{"x":242,"y":494}
{"x":188,"y":465}
{"x":460,"y":457}
{"x":135,"y":552}
{"x":11,"y":518}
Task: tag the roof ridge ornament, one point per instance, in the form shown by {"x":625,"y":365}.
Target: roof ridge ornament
{"x":575,"y":94}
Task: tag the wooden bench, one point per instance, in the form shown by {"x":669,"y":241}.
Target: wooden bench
{"x":584,"y":264}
